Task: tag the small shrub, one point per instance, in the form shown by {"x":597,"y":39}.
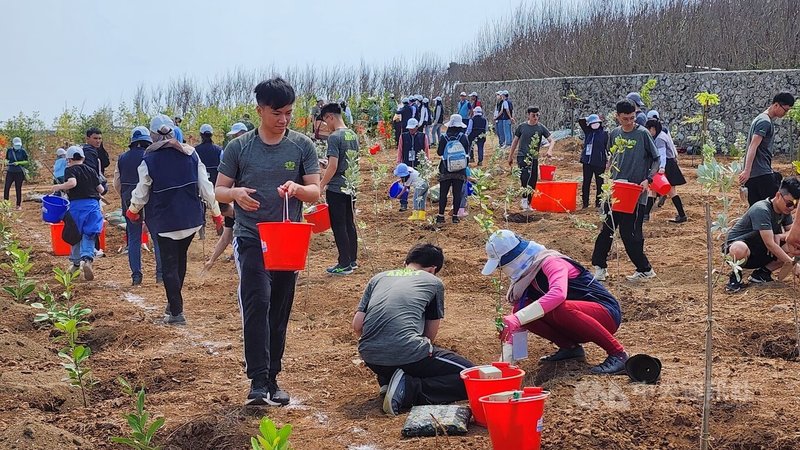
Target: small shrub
{"x":142,"y":430}
{"x":269,"y":437}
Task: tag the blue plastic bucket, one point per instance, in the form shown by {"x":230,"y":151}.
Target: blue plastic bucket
{"x":470,"y":189}
{"x":395,"y":189}
{"x":54,"y":208}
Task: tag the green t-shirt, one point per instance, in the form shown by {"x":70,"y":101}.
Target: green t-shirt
{"x":760,"y":216}
{"x":525,"y":132}
{"x":397,"y":303}
{"x":339,"y":143}
{"x":762,"y":163}
{"x":256,"y":165}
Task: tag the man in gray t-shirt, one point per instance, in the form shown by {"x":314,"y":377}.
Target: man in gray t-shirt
{"x":340,"y":201}
{"x":262,"y":171}
{"x":757,"y":175}
{"x":397,"y":320}
{"x":759,"y":237}
{"x":527,"y":155}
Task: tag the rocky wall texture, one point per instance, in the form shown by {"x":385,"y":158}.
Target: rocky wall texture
{"x":743,"y":95}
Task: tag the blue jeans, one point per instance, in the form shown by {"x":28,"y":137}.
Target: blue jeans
{"x":420,"y":194}
{"x":404,"y":199}
{"x":507,"y":132}
{"x":84,"y":249}
{"x":134,"y":233}
{"x":501,"y":132}
{"x":437,"y":131}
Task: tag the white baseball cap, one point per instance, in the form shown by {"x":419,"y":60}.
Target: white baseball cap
{"x":16,"y":141}
{"x":141,"y":133}
{"x":412,"y":123}
{"x":236,"y":128}
{"x":653,"y":114}
{"x":463,"y":94}
{"x":74,"y":150}
{"x":206,"y":129}
{"x":161,"y":124}
{"x":477,"y":111}
{"x":437,"y":99}
{"x":473,"y":94}
{"x":60,"y":152}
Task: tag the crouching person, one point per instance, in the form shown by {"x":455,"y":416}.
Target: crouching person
{"x":558,"y":299}
{"x":397,"y":321}
{"x":759,"y":237}
{"x":83,"y":189}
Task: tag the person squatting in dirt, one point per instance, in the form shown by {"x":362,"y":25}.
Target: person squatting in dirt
{"x":411,"y":180}
{"x":410,"y":148}
{"x":172,"y":182}
{"x":268,"y":173}
{"x":556,"y":298}
{"x":758,"y":239}
{"x":83,"y":188}
{"x":638,"y":165}
{"x":397,"y":321}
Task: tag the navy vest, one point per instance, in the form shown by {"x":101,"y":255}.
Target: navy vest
{"x":128,"y":165}
{"x":412,"y":147}
{"x":209,"y":154}
{"x":584,"y":287}
{"x":478,"y":127}
{"x":174,"y":195}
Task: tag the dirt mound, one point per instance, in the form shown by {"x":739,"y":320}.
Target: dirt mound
{"x":31,"y":434}
{"x":217,"y":431}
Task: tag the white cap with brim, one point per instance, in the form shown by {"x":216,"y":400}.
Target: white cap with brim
{"x":473,"y":94}
{"x":463,"y":94}
{"x":455,"y":122}
{"x":653,"y":114}
{"x":206,"y":129}
{"x":507,"y":251}
{"x":74,"y":150}
{"x":60,"y":152}
{"x":237,"y":128}
{"x":161,"y":124}
{"x":437,"y":99}
{"x":477,"y":111}
{"x":16,"y":141}
{"x":412,"y":123}
{"x":141,"y":133}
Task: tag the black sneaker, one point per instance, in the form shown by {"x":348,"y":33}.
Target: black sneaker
{"x":340,"y":270}
{"x":662,"y":200}
{"x":456,"y":219}
{"x":760,"y":276}
{"x":395,"y":393}
{"x":354,"y":265}
{"x":439,"y":218}
{"x":734,"y":284}
{"x":169,"y":319}
{"x":679,"y":219}
{"x":277,"y":394}
{"x":646,"y":218}
{"x":565,"y":353}
{"x":259,"y":394}
{"x":137,"y":279}
{"x":403,"y":208}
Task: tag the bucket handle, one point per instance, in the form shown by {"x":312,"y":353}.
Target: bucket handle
{"x":286,"y":207}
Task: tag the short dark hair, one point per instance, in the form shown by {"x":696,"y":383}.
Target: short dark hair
{"x":791,"y":185}
{"x":426,"y":255}
{"x":275,"y":93}
{"x":532,"y":109}
{"x":783,"y":98}
{"x":93,"y":130}
{"x":654,"y":123}
{"x":331,"y":108}
{"x":626,"y":107}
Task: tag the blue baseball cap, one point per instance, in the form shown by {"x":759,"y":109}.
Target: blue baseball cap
{"x":141,"y":133}
{"x":593,"y":118}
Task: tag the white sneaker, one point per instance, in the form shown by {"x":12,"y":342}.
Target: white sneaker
{"x":600,"y":274}
{"x":88,"y":271}
{"x":523,"y":203}
{"x":641,"y":276}
{"x":99,"y":253}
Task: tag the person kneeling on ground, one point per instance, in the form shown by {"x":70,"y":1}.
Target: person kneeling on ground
{"x":83,"y":189}
{"x":558,"y":299}
{"x":759,"y":237}
{"x":397,"y":321}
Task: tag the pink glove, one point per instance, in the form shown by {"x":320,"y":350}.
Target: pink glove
{"x":511,"y":325}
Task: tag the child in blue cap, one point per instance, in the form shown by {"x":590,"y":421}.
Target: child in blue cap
{"x":410,"y":178}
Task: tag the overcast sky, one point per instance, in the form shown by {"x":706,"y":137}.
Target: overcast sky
{"x":89,"y":53}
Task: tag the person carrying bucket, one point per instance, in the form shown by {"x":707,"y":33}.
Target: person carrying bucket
{"x":290,"y":160}
{"x":83,"y":188}
{"x":636,"y":165}
{"x":126,"y":177}
{"x":397,"y":321}
{"x":340,"y":203}
{"x":528,"y":139}
{"x":411,"y":179}
{"x":594,"y":157}
{"x":172,"y":181}
{"x":556,"y":298}
{"x":668,"y":165}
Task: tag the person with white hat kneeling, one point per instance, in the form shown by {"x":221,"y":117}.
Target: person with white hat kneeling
{"x":556,"y":298}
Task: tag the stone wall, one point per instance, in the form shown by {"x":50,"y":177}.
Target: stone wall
{"x":743,"y":95}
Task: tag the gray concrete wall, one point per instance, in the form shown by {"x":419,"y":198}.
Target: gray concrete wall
{"x":743,"y":95}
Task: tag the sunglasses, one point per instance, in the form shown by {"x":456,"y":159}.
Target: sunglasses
{"x":791,"y":204}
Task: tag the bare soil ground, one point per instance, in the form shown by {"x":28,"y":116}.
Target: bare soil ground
{"x":194,"y":374}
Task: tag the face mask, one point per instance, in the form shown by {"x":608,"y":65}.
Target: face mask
{"x":17,"y":146}
{"x":595,"y":126}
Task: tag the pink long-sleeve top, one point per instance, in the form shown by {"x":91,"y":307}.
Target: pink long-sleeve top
{"x":558,"y":271}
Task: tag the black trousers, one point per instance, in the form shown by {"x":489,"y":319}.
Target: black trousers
{"x":630,"y":230}
{"x":529,"y":176}
{"x":173,"y":264}
{"x":444,"y":186}
{"x":590,"y":172}
{"x":265,"y":301}
{"x":340,"y":208}
{"x":431,"y":381}
{"x":758,"y":188}
{"x":15,"y":178}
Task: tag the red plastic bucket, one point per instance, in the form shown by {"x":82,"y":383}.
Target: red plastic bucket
{"x":626,"y":196}
{"x":546,"y":172}
{"x":555,"y":196}
{"x":660,"y":184}
{"x":375,"y":149}
{"x":510,"y":380}
{"x":511,"y":421}
{"x":319,"y":217}
{"x":285,"y":244}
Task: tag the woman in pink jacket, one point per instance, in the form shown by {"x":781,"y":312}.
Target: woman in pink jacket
{"x":558,"y":299}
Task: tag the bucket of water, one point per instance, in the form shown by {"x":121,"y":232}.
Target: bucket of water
{"x":510,"y":379}
{"x":285,"y":244}
{"x":546,"y":172}
{"x":395,"y":189}
{"x":54,"y":208}
{"x":318,"y":216}
{"x":511,"y":416}
{"x":626,"y":196}
{"x":375,"y":149}
{"x":660,"y":184}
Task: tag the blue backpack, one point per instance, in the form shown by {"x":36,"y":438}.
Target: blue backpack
{"x":455,"y":156}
